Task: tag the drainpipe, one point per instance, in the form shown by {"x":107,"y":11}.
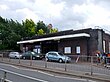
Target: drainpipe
{"x":88,"y":49}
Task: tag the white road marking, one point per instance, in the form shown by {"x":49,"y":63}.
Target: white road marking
{"x":28,"y":69}
{"x":29,"y":77}
{"x":10,"y":65}
{"x":6,"y":80}
{"x":46,"y":73}
{"x":55,"y":75}
{"x":37,"y":71}
{"x":75,"y":79}
{"x":49,"y":74}
{"x":59,"y":76}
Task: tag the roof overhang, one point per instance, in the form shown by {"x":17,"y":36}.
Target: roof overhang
{"x":55,"y":38}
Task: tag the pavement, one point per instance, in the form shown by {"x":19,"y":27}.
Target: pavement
{"x":101,"y":77}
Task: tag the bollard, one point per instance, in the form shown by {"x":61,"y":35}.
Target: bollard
{"x":45,"y":63}
{"x":91,"y":65}
{"x":31,"y":60}
{"x":19,"y":58}
{"x":4,"y":77}
{"x":65,"y":64}
{"x":2,"y":57}
{"x":9,"y":59}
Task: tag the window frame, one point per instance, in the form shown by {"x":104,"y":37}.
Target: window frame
{"x":67,"y":50}
{"x":78,"y":49}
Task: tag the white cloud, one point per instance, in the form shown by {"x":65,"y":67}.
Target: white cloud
{"x":28,"y":14}
{"x":3,"y":7}
{"x":63,"y":14}
{"x":96,"y":15}
{"x":99,"y":16}
{"x":47,"y":8}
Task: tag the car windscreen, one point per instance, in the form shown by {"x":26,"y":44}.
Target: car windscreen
{"x":61,"y":54}
{"x":33,"y":53}
{"x":14,"y":53}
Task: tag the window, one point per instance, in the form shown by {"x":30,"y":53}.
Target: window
{"x":104,"y":46}
{"x":78,"y":50}
{"x":37,"y":49}
{"x":53,"y":54}
{"x":67,"y":50}
{"x":61,"y":54}
{"x":109,"y":47}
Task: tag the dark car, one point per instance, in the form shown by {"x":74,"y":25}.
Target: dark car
{"x":33,"y":55}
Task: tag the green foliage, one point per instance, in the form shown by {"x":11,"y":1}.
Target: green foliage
{"x":12,"y":31}
{"x":53,"y":30}
{"x":29,"y":27}
{"x":41,"y":25}
{"x":40,"y":32}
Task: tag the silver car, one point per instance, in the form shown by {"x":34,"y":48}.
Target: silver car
{"x":57,"y":56}
{"x":15,"y":55}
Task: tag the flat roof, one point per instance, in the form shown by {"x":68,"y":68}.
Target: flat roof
{"x":55,"y":38}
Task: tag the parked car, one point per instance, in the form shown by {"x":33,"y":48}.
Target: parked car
{"x":15,"y":55}
{"x":57,"y":56}
{"x":28,"y":54}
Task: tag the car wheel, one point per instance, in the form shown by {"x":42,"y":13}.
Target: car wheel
{"x":15,"y":57}
{"x":24,"y":58}
{"x":33,"y":58}
{"x":60,"y":60}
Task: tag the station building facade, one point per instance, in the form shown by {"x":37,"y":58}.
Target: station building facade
{"x":69,"y":42}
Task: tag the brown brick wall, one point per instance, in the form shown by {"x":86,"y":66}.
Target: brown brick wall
{"x":93,"y":42}
{"x":88,"y":46}
{"x":106,"y":37}
{"x":82,"y":42}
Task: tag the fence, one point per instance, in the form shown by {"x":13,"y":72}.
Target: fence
{"x":9,"y":76}
{"x":3,"y":79}
{"x":79,"y":64}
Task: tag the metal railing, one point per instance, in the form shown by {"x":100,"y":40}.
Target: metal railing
{"x":79,"y":63}
{"x":3,"y":79}
{"x":10,"y":76}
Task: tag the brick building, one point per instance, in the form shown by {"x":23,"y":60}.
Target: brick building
{"x":70,"y":42}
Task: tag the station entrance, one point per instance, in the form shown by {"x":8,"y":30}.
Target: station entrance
{"x":49,"y":46}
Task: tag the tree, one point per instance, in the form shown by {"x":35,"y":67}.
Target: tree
{"x":40,"y":32}
{"x":29,"y":27}
{"x":12,"y":31}
{"x":53,"y":30}
{"x":41,"y":25}
{"x":8,"y":42}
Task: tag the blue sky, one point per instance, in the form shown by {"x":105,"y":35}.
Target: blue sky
{"x":62,"y":14}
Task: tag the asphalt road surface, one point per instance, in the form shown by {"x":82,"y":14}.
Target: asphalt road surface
{"x":69,"y":67}
{"x":19,"y":74}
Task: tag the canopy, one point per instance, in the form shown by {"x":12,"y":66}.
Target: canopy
{"x":55,"y":38}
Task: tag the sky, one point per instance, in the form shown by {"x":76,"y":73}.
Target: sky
{"x":62,"y":14}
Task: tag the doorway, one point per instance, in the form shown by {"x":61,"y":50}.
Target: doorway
{"x":49,"y":46}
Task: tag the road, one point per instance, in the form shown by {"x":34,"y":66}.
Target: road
{"x":19,"y":74}
{"x":61,"y":66}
